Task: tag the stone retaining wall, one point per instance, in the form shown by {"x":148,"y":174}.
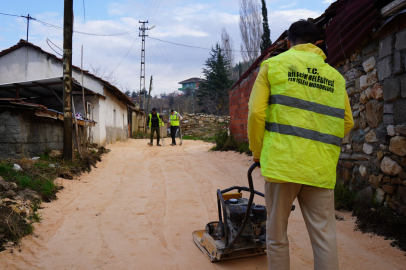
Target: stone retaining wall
{"x":373,"y":158}
{"x":202,"y":125}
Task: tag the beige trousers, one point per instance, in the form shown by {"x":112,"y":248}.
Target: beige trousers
{"x":317,"y":206}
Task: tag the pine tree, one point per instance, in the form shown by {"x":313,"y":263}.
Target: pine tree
{"x":213,"y":93}
{"x":266,"y":34}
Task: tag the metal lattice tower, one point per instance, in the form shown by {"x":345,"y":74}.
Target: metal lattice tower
{"x":142,"y":70}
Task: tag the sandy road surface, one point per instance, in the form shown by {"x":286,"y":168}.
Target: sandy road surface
{"x":137,"y":210}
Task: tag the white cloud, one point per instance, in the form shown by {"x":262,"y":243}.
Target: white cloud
{"x":329,"y":1}
{"x":290,"y":5}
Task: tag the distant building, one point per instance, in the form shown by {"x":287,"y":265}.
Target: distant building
{"x":192,"y":83}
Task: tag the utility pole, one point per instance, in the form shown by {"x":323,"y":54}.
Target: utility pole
{"x":67,"y":80}
{"x":28,"y":22}
{"x":149,"y":94}
{"x":142,"y":71}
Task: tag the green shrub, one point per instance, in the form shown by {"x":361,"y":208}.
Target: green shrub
{"x":224,"y":142}
{"x":343,"y":198}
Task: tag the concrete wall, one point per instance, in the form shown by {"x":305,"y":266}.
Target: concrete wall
{"x":115,"y":118}
{"x":29,"y":64}
{"x":22,"y":134}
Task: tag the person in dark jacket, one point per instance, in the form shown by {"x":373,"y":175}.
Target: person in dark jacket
{"x":155,"y":122}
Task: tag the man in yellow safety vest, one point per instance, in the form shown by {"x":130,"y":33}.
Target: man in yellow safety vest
{"x":298,"y":114}
{"x":174,"y":119}
{"x":155,"y":123}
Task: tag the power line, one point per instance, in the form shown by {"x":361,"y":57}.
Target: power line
{"x":194,"y":47}
{"x":125,"y":55}
{"x":48,"y":40}
{"x":9,"y":15}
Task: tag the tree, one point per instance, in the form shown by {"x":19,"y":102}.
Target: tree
{"x":133,"y":94}
{"x":103,"y":74}
{"x":266,"y":35}
{"x":227,"y":45}
{"x":127,"y":93}
{"x":213,"y":93}
{"x":250,"y":29}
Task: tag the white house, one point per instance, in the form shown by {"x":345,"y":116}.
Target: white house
{"x":29,"y":74}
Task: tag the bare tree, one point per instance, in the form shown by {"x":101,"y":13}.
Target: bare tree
{"x":227,"y":45}
{"x":104,"y":74}
{"x":250,"y":29}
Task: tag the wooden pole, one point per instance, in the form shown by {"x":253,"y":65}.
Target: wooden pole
{"x":67,"y":80}
{"x":76,"y":129}
{"x":149,"y":94}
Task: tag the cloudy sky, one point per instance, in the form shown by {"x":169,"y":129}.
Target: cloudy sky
{"x":190,"y":22}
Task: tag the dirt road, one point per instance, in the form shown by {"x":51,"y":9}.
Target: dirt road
{"x":137,"y":210}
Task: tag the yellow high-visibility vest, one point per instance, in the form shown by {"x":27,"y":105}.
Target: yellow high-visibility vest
{"x":174,"y":119}
{"x":304,"y":120}
{"x":161,"y":124}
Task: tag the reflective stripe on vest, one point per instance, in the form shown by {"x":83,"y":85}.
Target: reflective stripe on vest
{"x":159,"y":119}
{"x":174,"y":119}
{"x":304,"y":120}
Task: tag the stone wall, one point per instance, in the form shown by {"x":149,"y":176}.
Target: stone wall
{"x":202,"y":125}
{"x":373,"y":157}
{"x":22,"y":134}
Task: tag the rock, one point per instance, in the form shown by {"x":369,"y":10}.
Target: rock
{"x":379,"y":155}
{"x":396,"y":181}
{"x":379,"y":195}
{"x":351,"y":91}
{"x":10,"y":193}
{"x":369,"y":64}
{"x":391,"y":89}
{"x":8,"y":245}
{"x":390,"y":167}
{"x":29,"y":194}
{"x":388,"y":119}
{"x":7,"y":185}
{"x":377,"y":91}
{"x":363,"y":171}
{"x":51,"y":165}
{"x":363,"y":98}
{"x":386,"y":46}
{"x":391,"y":130}
{"x":367,"y":148}
{"x":367,"y":129}
{"x":400,"y":43}
{"x":398,"y":145}
{"x":221,"y":120}
{"x":371,"y":137}
{"x":17,"y":168}
{"x":374,"y":113}
{"x":347,"y":138}
{"x":375,"y":180}
{"x":388,"y":108}
{"x":55,"y":154}
{"x":353,"y":74}
{"x":398,"y":67}
{"x":399,"y":109}
{"x":389,"y":189}
{"x":401,"y":129}
{"x":363,"y":121}
{"x":358,"y":136}
{"x":368,"y":80}
{"x":403,"y":84}
{"x":385,"y":68}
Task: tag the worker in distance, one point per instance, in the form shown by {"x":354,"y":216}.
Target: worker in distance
{"x":174,"y":120}
{"x":299,"y":113}
{"x":155,"y":122}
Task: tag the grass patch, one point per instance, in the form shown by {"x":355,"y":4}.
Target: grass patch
{"x":140,"y":135}
{"x":195,"y":138}
{"x":225,"y":142}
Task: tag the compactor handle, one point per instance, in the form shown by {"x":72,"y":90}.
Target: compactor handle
{"x":247,"y":212}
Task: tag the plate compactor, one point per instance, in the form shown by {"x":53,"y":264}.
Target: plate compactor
{"x":241,"y":228}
